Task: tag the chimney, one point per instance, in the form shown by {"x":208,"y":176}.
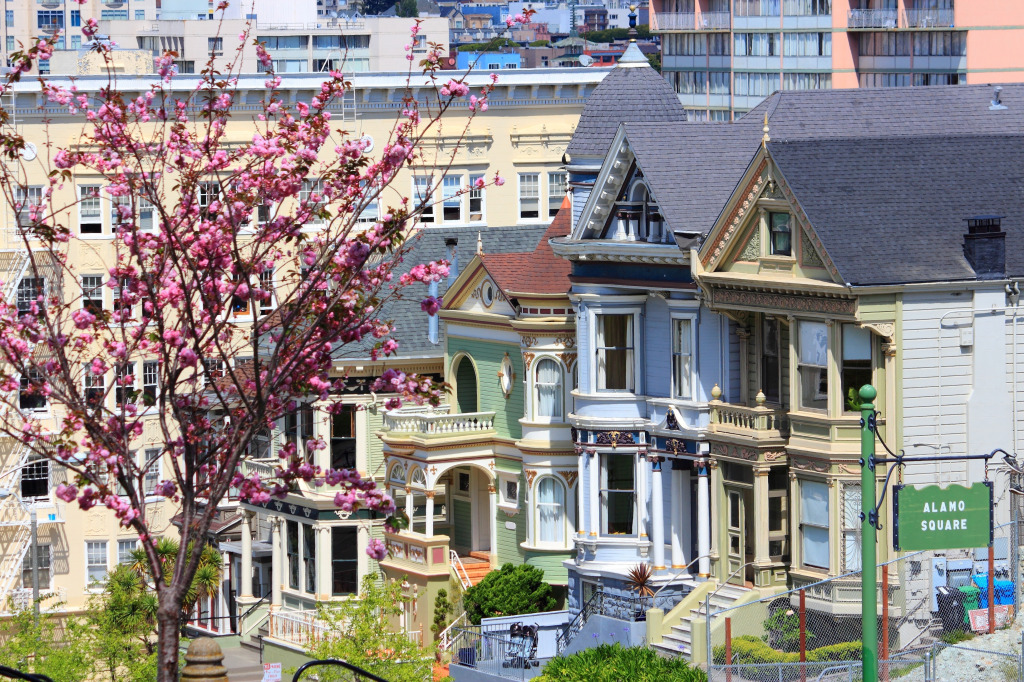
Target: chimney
{"x":453,"y":258}
{"x":985,"y":246}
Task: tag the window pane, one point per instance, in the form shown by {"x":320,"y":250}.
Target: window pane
{"x":344,"y":560}
{"x":309,"y":556}
{"x":856,"y":363}
{"x":813,"y":365}
{"x":682,"y":359}
{"x":550,"y":508}
{"x":619,"y":503}
{"x":814,"y":517}
{"x":549,"y":389}
{"x":615,"y":352}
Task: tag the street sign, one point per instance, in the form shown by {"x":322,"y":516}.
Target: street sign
{"x":932,"y":517}
{"x":272,"y":672}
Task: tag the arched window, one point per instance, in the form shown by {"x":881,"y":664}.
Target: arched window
{"x":550,"y":511}
{"x":548,"y":382}
{"x":465,"y":385}
{"x":397,"y":474}
{"x":418,"y":479}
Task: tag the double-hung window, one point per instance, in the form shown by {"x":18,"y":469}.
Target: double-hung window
{"x":92,"y":294}
{"x":344,"y":560}
{"x":35,"y":477}
{"x":150,"y":382}
{"x":311,"y":196}
{"x":292,"y":541}
{"x":814,"y":517}
{"x":556,"y":192}
{"x":122,"y":296}
{"x":43,"y":559}
{"x":149,"y":463}
{"x":614,"y":345}
{"x":682,"y":358}
{"x":452,"y":204}
{"x":268,"y":305}
{"x":124,"y":389}
{"x":96,"y":561}
{"x":781,"y":238}
{"x":95,"y":388}
{"x":309,"y":557}
{"x":30,"y":396}
{"x":771,"y":377}
{"x":618,"y":503}
{"x":856,"y":364}
{"x":209,"y":192}
{"x":529,"y":196}
{"x":550,"y":511}
{"x":423,"y":201}
{"x":125,"y":552}
{"x":30,"y":291}
{"x":812,"y":364}
{"x":28,"y":204}
{"x":90,"y":213}
{"x":371,"y":211}
{"x":343,"y":438}
{"x":548,"y":383}
{"x":476,"y":199}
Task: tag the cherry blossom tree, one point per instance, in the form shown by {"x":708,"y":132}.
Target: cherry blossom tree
{"x":223,"y":214}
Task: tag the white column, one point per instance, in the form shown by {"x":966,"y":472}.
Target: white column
{"x":640,"y":469}
{"x":581,"y":483}
{"x":324,"y":558}
{"x":595,"y":492}
{"x":409,"y":506}
{"x":245,"y":579}
{"x":277,"y":560}
{"x":703,"y":519}
{"x":429,"y":528}
{"x":657,"y":517}
{"x":678,"y":555}
{"x":492,"y":493}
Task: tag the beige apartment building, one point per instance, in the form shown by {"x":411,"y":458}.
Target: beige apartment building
{"x":723,"y":57}
{"x":301,"y":37}
{"x":522,"y":135}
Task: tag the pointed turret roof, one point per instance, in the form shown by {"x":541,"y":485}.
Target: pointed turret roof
{"x":632,"y":93}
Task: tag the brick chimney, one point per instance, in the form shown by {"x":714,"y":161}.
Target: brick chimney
{"x":985,"y":246}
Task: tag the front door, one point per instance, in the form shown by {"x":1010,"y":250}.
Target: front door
{"x":462,"y":510}
{"x":740,"y":536}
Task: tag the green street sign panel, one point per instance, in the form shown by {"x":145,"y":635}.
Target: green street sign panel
{"x":930,"y":517}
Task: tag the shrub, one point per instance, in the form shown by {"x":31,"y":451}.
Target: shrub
{"x":748,"y":649}
{"x":612,"y":663}
{"x":509,"y":591}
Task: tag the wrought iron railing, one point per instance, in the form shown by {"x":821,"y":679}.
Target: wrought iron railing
{"x":566,"y":635}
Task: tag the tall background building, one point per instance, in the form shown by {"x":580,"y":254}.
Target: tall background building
{"x":724,"y":56}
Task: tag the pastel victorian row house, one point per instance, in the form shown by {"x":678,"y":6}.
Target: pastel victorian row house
{"x":733,"y":283}
{"x":490,"y":478}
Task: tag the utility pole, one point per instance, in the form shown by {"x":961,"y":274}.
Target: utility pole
{"x":868,"y":586}
{"x":35,"y":561}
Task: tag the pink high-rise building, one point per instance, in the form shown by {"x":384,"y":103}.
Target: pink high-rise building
{"x":724,"y":56}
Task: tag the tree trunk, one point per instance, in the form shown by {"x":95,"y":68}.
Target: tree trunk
{"x":167,"y":639}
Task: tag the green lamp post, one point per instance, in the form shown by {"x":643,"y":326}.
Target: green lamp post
{"x":869,"y":587}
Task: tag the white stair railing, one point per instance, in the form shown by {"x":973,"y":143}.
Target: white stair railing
{"x":460,"y":570}
{"x":445,"y":639}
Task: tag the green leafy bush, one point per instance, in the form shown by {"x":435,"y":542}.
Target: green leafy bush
{"x":748,"y":649}
{"x":782,"y":630}
{"x":509,"y":591}
{"x":613,"y":663}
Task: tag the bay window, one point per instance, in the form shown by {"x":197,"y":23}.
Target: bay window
{"x":682,"y":358}
{"x":548,"y":384}
{"x":550,"y":511}
{"x":856,"y":363}
{"x":812,"y":365}
{"x":618,"y":513}
{"x":614,"y":345}
{"x":814,"y":518}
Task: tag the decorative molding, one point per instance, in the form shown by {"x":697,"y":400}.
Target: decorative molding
{"x":809,"y":465}
{"x":675,"y":446}
{"x":736,"y":216}
{"x":530,"y":475}
{"x":615,"y":438}
{"x":570,"y":476}
{"x":886,"y":330}
{"x":752,"y":251}
{"x":528,"y":360}
{"x":774,"y":455}
{"x":670,"y":420}
{"x":491,"y":488}
{"x":568,"y":341}
{"x":808,"y":254}
{"x":529,"y":341}
{"x":778,"y":301}
{"x":568,"y":358}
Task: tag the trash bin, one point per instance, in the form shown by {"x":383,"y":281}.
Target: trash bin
{"x":1004,"y":592}
{"x":951,"y":608}
{"x":971,"y":596}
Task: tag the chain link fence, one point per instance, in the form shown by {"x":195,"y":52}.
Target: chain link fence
{"x":931,"y":606}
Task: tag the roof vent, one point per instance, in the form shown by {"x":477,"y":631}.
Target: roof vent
{"x":997,"y":102}
{"x":985,"y":246}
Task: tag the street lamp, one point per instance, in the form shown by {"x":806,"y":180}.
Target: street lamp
{"x":5,"y":493}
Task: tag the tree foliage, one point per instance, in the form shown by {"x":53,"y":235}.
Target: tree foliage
{"x":361,"y":631}
{"x":123,"y":622}
{"x":608,"y":35}
{"x":407,"y":9}
{"x":58,"y":647}
{"x":511,"y":590}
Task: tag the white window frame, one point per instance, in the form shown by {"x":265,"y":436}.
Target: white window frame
{"x":564,"y":519}
{"x":28,"y":377}
{"x":675,"y":320}
{"x":811,"y":520}
{"x":206,"y":193}
{"x":371,"y":211}
{"x":122,"y":545}
{"x":90,"y":566}
{"x":27,"y":568}
{"x":115,"y":295}
{"x":637,"y":345}
{"x":559,"y":417}
{"x":420,"y":190}
{"x":92,"y":381}
{"x":146,"y":375}
{"x":31,"y":195}
{"x":504,"y":501}
{"x":799,"y":402}
{"x":119,"y":389}
{"x":535,"y":197}
{"x":604,"y":497}
{"x":555,"y":200}
{"x":27,"y":286}
{"x":476,"y":194}
{"x":312,"y":186}
{"x":94,"y":290}
{"x":451,"y":186}
{"x":267,"y":282}
{"x":152,"y":475}
{"x":85,"y":193}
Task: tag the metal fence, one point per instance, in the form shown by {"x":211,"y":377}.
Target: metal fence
{"x":494,"y":652}
{"x":930,"y":605}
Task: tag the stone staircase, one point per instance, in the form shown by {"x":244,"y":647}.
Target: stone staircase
{"x":478,"y":565}
{"x":678,"y":642}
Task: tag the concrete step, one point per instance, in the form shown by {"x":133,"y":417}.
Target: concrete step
{"x":673,"y":647}
{"x":482,"y":556}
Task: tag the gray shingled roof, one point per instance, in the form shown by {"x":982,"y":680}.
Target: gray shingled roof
{"x":883,"y":112}
{"x":629,"y":93}
{"x":893,"y":210}
{"x":692,"y":168}
{"x":411,"y":323}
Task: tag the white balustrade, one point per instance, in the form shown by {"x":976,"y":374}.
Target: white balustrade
{"x":297,"y":627}
{"x":400,"y":422}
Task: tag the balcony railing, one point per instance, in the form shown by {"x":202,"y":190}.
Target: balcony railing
{"x":755,"y":422}
{"x":263,"y":467}
{"x":675,"y":21}
{"x":872,"y":18}
{"x":297,"y":627}
{"x":713,"y":20}
{"x":929,"y":18}
{"x":49,"y":600}
{"x":424,"y":554}
{"x":426,"y":424}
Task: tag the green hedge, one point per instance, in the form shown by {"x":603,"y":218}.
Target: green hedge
{"x":750,"y":650}
{"x":613,"y":663}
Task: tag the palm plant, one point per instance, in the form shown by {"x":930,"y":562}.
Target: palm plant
{"x":640,"y":578}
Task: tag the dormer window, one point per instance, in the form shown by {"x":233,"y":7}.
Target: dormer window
{"x":781,"y":237}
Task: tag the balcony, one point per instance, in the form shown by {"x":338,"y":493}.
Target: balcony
{"x":929,"y":18}
{"x":434,"y":425}
{"x":674,"y":21}
{"x":713,"y":21}
{"x":301,"y":628}
{"x":841,"y":596}
{"x":872,"y":18}
{"x":264,"y":467}
{"x":758,"y":423}
{"x":416,"y":553}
